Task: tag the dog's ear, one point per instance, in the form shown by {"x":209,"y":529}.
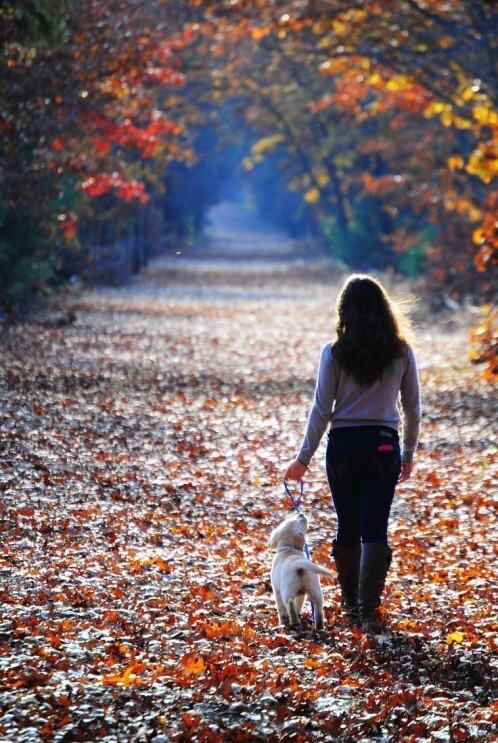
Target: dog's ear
{"x":275,"y":537}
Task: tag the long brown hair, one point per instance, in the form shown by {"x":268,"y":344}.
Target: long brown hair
{"x":370,"y":330}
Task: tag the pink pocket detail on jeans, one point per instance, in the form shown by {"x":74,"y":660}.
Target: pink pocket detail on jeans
{"x":385,"y":447}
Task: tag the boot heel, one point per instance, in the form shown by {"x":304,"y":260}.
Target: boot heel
{"x":375,"y":562}
{"x":347,"y":562}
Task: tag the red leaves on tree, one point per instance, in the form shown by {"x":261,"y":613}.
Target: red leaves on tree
{"x":97,"y":185}
{"x":146,"y":140}
{"x":58,"y":144}
{"x":101,"y":145}
{"x":67,"y":224}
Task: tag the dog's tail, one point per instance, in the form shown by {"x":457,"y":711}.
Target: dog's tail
{"x":313,"y":567}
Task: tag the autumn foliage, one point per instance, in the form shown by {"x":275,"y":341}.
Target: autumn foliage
{"x":379,"y":117}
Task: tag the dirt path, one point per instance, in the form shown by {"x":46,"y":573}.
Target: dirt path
{"x":142,"y":454}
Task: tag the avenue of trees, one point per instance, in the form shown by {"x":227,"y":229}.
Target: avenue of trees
{"x":373,"y":124}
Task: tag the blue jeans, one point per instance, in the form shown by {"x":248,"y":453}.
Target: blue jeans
{"x":363,"y":466}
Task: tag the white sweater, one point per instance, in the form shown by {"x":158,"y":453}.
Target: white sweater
{"x":341,"y":401}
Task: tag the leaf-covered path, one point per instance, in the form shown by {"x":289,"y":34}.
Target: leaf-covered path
{"x":142,"y":451}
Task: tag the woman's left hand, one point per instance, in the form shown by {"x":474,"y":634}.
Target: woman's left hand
{"x":295,"y":471}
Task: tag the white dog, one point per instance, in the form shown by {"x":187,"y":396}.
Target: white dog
{"x":293,"y":575}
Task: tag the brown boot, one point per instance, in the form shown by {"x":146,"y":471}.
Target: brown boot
{"x":375,"y":562}
{"x":347,"y":562}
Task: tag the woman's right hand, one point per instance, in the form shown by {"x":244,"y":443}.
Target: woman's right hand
{"x":406,"y":471}
{"x":295,"y":471}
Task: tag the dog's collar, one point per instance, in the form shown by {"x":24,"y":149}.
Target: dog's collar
{"x":287,"y":547}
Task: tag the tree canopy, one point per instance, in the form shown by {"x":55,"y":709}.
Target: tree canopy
{"x":381,"y":118}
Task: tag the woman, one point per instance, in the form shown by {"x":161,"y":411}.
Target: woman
{"x":361,"y":375}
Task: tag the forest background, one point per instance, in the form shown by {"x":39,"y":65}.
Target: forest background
{"x":370,"y":128}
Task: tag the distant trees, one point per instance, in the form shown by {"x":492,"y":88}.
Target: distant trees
{"x":378,"y":118}
{"x":386,"y":113}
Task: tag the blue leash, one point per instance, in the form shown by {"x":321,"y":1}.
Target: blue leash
{"x":295,"y":503}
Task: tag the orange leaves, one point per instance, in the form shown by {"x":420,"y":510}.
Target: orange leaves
{"x":241,"y":526}
{"x":484,"y":344}
{"x":226,"y":630}
{"x":157,"y":562}
{"x":312,"y":663}
{"x":464,"y":206}
{"x":484,"y":161}
{"x":191,"y":723}
{"x":129,"y":677}
{"x":204,"y":593}
{"x":193,"y":664}
{"x":323,"y":103}
{"x":260,"y":33}
{"x":355,"y":83}
{"x":215,"y":671}
{"x":455,"y":163}
{"x":434,"y":480}
{"x":486,"y":236}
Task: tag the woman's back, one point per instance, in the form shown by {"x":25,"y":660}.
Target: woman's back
{"x":342,"y":401}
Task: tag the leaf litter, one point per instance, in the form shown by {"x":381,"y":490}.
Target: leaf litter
{"x":142,"y":453}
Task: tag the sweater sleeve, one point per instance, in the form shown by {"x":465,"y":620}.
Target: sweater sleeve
{"x":319,"y":417}
{"x":410,"y":404}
